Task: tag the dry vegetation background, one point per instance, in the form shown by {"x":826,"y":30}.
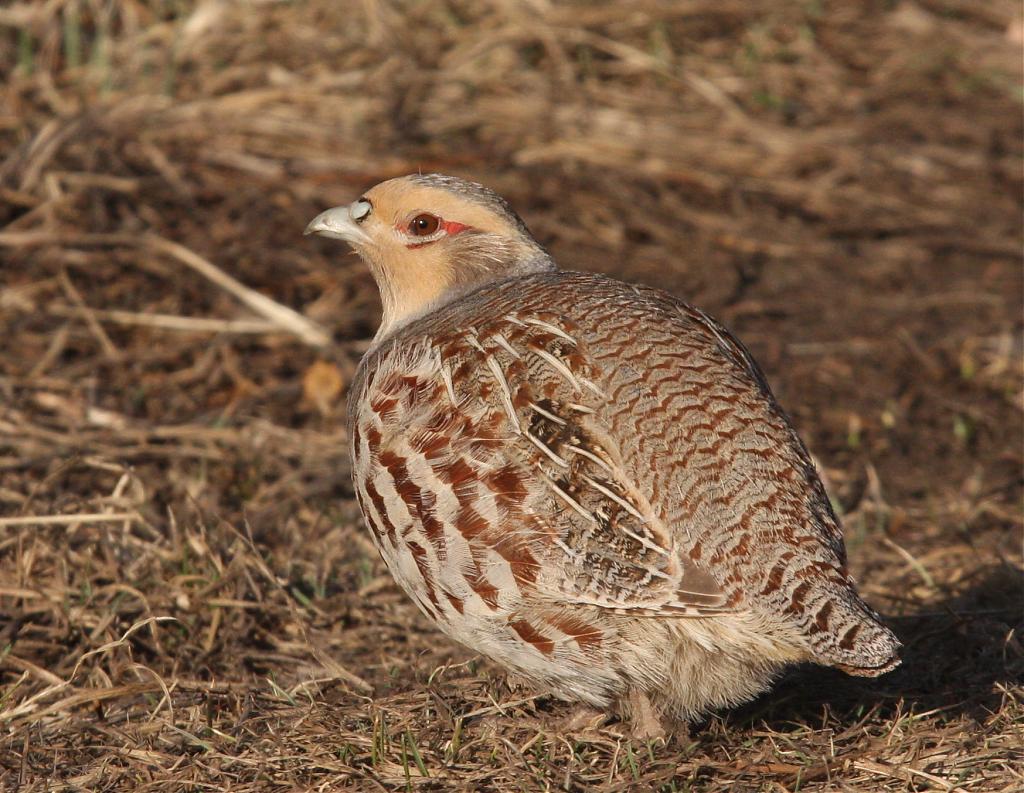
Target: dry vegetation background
{"x":188,"y":600}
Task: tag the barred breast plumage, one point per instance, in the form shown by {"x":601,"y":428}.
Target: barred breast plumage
{"x":588,"y":482}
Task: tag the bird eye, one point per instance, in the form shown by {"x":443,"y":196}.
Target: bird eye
{"x":424,"y":225}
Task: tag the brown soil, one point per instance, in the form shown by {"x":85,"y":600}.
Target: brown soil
{"x":188,"y":599}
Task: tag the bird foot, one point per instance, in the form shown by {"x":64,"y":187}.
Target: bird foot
{"x":645,"y":723}
{"x":584,"y":718}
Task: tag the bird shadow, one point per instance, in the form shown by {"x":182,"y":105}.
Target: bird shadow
{"x":956,"y":653}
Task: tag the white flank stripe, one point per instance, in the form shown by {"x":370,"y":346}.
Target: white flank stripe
{"x":572,"y":553}
{"x":588,"y":384}
{"x":546,"y":414}
{"x":558,"y":365}
{"x":615,"y":497}
{"x":474,"y":341}
{"x":446,"y":375}
{"x":648,"y":544}
{"x":566,"y":497}
{"x":590,"y":456}
{"x":552,"y":329}
{"x":506,"y":392}
{"x":543,"y":447}
{"x":503,"y":342}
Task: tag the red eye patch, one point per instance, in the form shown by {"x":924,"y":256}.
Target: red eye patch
{"x":450,"y":227}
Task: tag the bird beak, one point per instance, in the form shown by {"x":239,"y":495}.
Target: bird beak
{"x":337,"y":224}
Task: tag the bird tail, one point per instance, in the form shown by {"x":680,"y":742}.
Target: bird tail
{"x":859,"y":644}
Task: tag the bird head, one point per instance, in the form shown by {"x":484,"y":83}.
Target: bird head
{"x":429,"y":239}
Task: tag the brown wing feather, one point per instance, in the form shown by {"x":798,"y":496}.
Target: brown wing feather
{"x":533,"y":417}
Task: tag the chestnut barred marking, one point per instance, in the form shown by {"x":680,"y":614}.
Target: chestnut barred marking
{"x":419,"y":555}
{"x":470,"y":523}
{"x":532,"y":636}
{"x":587,"y":636}
{"x":485,"y":589}
{"x":521,"y":560}
{"x":821,"y":618}
{"x":382,"y":512}
{"x":507,"y":485}
{"x":850,"y":636}
{"x":457,"y":602}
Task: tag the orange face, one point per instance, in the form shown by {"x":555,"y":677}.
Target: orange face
{"x":424,"y":241}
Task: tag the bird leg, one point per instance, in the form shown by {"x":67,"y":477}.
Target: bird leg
{"x":645,"y":723}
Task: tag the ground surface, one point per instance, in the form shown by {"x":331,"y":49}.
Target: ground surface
{"x":188,"y":600}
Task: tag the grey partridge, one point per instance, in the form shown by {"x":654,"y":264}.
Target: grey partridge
{"x":587,"y":481}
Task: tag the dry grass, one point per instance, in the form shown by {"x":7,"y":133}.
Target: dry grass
{"x":187,"y":597}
